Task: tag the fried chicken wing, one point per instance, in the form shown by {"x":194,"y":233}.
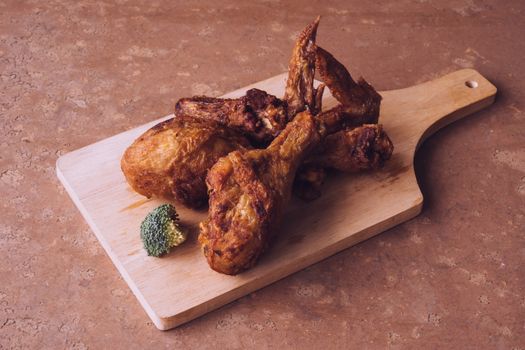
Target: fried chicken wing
{"x":300,"y":92}
{"x":248,"y":191}
{"x":359,"y":102}
{"x":354,"y":148}
{"x":171,"y":159}
{"x":335,"y":75}
{"x":258,"y":115}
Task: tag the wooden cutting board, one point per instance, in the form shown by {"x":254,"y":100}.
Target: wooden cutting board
{"x":180,"y":287}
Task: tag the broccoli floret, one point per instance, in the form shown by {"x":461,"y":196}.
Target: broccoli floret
{"x":160,"y":230}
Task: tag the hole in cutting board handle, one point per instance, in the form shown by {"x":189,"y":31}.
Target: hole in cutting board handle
{"x":471,"y":84}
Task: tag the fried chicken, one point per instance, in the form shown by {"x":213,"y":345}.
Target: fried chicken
{"x":258,"y":115}
{"x":171,"y":160}
{"x":359,"y":102}
{"x":300,"y":92}
{"x":172,"y":163}
{"x":248,"y":192}
{"x":353,"y":148}
{"x":364,"y":148}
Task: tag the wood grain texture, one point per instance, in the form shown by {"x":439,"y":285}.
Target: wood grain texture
{"x":181,"y":286}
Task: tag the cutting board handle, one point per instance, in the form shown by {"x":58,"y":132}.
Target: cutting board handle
{"x":434,"y":104}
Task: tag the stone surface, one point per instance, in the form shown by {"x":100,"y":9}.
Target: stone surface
{"x":72,"y":73}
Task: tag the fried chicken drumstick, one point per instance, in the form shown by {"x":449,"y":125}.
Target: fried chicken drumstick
{"x":171,"y":159}
{"x":249,"y":190}
{"x":248,"y":193}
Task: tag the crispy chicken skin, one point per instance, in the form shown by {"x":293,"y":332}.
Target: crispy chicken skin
{"x":248,"y":192}
{"x":300,"y":92}
{"x":171,"y":159}
{"x":258,"y":115}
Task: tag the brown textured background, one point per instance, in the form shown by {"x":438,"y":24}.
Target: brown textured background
{"x":72,"y":73}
